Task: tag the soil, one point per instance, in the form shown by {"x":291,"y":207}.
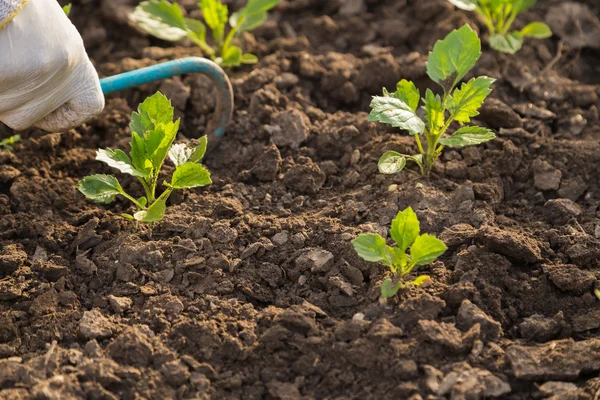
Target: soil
{"x":250,"y":288}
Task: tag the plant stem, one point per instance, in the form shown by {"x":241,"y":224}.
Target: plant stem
{"x":149,"y":194}
{"x":229,"y":37}
{"x":419,"y":145}
{"x":134,"y":201}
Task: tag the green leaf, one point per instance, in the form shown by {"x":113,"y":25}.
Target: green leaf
{"x":67,"y":9}
{"x":119,"y":160}
{"x":154,"y":110}
{"x":524,"y":5}
{"x":405,"y":228}
{"x":159,"y":141}
{"x":127,"y":216}
{"x":232,"y":57}
{"x":8,"y":142}
{"x":434,"y":112}
{"x":248,"y":58}
{"x":468,"y":136}
{"x":391,"y":162}
{"x":255,"y":6}
{"x":215,"y":14}
{"x":468,"y":5}
{"x":408,"y":93}
{"x":143,"y":201}
{"x":195,"y":30}
{"x":389,"y":289}
{"x":199,"y":150}
{"x":395,"y":112}
{"x":100,"y":188}
{"x":538,"y":30}
{"x":139,"y":158}
{"x":247,"y":22}
{"x":510,"y":43}
{"x":161,"y":19}
{"x":466,"y":101}
{"x":426,"y":249}
{"x":154,"y":213}
{"x":190,"y":175}
{"x":370,"y":247}
{"x":422,"y":280}
{"x":453,"y":57}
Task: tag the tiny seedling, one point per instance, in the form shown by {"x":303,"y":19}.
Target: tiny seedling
{"x":8,"y":142}
{"x":499,"y":15}
{"x":448,"y":63}
{"x":166,"y":21}
{"x":152,"y":134}
{"x":67,"y":9}
{"x":405,"y":231}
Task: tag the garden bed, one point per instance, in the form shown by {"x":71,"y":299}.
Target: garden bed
{"x":250,"y":288}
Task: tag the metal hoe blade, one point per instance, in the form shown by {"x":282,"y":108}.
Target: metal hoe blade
{"x":222,"y":116}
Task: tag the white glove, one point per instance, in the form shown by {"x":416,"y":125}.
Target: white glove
{"x":46,"y":78}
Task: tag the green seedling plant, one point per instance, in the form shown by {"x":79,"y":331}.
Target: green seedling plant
{"x":166,"y":21}
{"x":499,"y":15}
{"x":67,"y":9}
{"x":405,"y":231}
{"x":152,"y":134}
{"x":8,"y":142}
{"x":449,"y":62}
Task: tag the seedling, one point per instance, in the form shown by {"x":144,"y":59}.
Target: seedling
{"x":67,"y":9}
{"x":448,"y":63}
{"x":499,"y":15}
{"x":166,"y":21}
{"x":152,"y":134}
{"x":405,"y":231}
{"x":8,"y":142}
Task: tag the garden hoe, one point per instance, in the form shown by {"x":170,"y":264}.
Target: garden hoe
{"x":222,"y":116}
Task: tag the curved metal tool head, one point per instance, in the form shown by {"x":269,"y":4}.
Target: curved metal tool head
{"x":217,"y":126}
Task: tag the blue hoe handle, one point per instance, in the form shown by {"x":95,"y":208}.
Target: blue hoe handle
{"x":186,"y":65}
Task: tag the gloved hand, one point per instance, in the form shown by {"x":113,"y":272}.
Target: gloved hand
{"x":46,"y":78}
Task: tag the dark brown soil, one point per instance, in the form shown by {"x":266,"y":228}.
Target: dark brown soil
{"x":251,"y":289}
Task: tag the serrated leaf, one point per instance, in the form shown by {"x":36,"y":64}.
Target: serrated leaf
{"x":159,"y":140}
{"x":395,"y":112}
{"x":422,"y":280}
{"x":453,"y":57}
{"x":405,"y":228}
{"x":215,"y":15}
{"x":232,"y":57}
{"x":510,"y":43}
{"x":155,"y":109}
{"x":161,"y":19}
{"x":190,"y":175}
{"x":100,"y":188}
{"x":391,"y":162}
{"x":154,"y":213}
{"x":468,"y":5}
{"x":247,"y":22}
{"x":434,"y":111}
{"x":389,"y":289}
{"x":468,"y":136}
{"x":370,"y":247}
{"x":119,"y":160}
{"x":195,"y":29}
{"x":538,"y":30}
{"x":408,"y":93}
{"x":426,"y":249}
{"x":248,"y":58}
{"x":467,"y":100}
{"x":139,"y":158}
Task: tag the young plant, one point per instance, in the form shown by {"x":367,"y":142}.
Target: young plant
{"x":152,"y":134}
{"x":166,"y":21}
{"x":499,"y":15}
{"x":448,"y":63}
{"x":405,"y":231}
{"x":8,"y":142}
{"x":67,"y":9}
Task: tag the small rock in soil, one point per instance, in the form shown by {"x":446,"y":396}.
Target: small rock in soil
{"x":349,"y":330}
{"x":457,"y":235}
{"x":511,"y":158}
{"x":560,"y":359}
{"x":469,"y":314}
{"x":94,"y":325}
{"x":545,"y":176}
{"x":473,"y":383}
{"x":45,"y":303}
{"x":444,"y":334}
{"x":11,"y":258}
{"x":530,"y":110}
{"x":280,"y":238}
{"x":131,"y":347}
{"x":499,"y":115}
{"x":289,"y":128}
{"x":573,"y":188}
{"x":570,"y":278}
{"x":175,"y":372}
{"x":119,"y":304}
{"x":414,"y":309}
{"x":266,"y":167}
{"x":307,"y":178}
{"x":511,"y":244}
{"x":559,"y":390}
{"x":561,"y":211}
{"x":541,"y":329}
{"x":315,"y":260}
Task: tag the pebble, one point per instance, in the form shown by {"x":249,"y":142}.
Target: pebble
{"x":119,"y":304}
{"x":280,"y":238}
{"x":561,"y":211}
{"x":94,"y":325}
